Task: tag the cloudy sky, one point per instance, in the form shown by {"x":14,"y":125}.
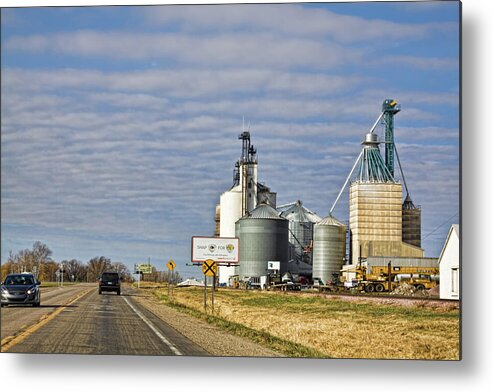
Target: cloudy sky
{"x":119,"y":125}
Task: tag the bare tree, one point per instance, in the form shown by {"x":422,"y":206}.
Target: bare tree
{"x":41,"y":254}
{"x":123,"y":270}
{"x":30,"y":260}
{"x":96,"y":266}
{"x":48,"y":271}
{"x":75,"y":270}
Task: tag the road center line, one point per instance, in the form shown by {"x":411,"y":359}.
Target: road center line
{"x":10,"y":341}
{"x":154,"y":329}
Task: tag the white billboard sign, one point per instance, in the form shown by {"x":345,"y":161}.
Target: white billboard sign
{"x":219,"y":249}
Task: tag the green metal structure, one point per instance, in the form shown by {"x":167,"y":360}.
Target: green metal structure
{"x":389,"y":108}
{"x":372,"y":168}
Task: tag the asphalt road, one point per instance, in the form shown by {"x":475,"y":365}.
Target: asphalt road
{"x":91,"y":324}
{"x":17,"y":317}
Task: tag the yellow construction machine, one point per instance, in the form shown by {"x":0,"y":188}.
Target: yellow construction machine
{"x":385,"y":278}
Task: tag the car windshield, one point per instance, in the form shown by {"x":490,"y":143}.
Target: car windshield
{"x":109,"y":276}
{"x":21,"y":280}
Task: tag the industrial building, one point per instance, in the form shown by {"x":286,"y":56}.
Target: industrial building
{"x":381,"y":224}
{"x":375,"y":201}
{"x":242,"y":198}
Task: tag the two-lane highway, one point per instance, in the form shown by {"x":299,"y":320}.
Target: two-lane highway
{"x":16,"y":318}
{"x":99,"y":324}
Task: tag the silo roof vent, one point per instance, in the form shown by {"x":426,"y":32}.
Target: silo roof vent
{"x":330,"y":221}
{"x":264,"y":211}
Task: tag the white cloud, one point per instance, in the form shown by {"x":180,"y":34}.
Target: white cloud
{"x":426,"y":63}
{"x":290,"y":20}
{"x":212,"y":50}
{"x":143,"y":154}
{"x":183,"y":83}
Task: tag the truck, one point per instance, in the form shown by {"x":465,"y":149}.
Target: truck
{"x":385,"y":278}
{"x":283,"y":283}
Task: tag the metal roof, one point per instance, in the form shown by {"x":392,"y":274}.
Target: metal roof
{"x":263,"y":211}
{"x":330,"y":221}
{"x":298,"y":213}
{"x":372,"y":168}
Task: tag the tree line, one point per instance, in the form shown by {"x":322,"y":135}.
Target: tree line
{"x":38,"y":260}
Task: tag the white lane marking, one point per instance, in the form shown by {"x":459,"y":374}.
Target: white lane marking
{"x":153,"y":328}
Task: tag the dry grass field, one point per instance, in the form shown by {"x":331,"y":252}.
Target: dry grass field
{"x":315,"y":326}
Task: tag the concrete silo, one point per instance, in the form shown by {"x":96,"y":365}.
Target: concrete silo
{"x":230,"y":208}
{"x":263,"y":237}
{"x":329,"y":248}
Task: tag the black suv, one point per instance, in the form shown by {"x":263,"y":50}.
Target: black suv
{"x":109,"y":281}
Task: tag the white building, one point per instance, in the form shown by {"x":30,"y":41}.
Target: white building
{"x":449,"y":265}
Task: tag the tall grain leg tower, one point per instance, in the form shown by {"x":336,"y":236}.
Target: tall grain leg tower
{"x":376,"y":208}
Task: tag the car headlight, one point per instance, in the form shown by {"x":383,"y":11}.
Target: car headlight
{"x":4,"y":290}
{"x":30,"y":291}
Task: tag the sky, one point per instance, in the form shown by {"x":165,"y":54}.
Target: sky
{"x":119,"y":125}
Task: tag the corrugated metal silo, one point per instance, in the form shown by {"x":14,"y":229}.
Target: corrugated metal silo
{"x":301,"y":222}
{"x":329,"y":248}
{"x":411,"y":223}
{"x":263,"y":237}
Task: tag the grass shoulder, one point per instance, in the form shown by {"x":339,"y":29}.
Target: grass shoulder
{"x":327,"y":327}
{"x":282,"y":346}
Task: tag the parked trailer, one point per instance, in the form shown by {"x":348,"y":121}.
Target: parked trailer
{"x":275,"y":281}
{"x":286,"y":286}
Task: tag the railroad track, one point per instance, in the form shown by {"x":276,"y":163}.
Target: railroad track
{"x":372,"y":296}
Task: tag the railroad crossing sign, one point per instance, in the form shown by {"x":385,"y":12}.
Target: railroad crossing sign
{"x":209,"y":268}
{"x":171,"y":265}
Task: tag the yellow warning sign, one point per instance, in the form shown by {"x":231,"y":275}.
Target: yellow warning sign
{"x":209,"y":268}
{"x":171,"y":265}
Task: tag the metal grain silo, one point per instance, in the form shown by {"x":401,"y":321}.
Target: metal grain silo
{"x":329,"y":248}
{"x":411,"y":222}
{"x":263,"y":237}
{"x":301,"y":222}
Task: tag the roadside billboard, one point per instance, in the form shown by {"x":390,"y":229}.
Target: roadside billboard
{"x":219,"y":249}
{"x":143,"y":268}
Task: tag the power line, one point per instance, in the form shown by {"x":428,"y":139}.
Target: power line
{"x":436,"y":228}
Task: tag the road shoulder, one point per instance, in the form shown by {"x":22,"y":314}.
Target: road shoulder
{"x":213,"y":339}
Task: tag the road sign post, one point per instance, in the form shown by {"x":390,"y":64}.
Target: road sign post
{"x":213,"y":287}
{"x":171,"y":266}
{"x":209,"y":268}
{"x":205,"y":293}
